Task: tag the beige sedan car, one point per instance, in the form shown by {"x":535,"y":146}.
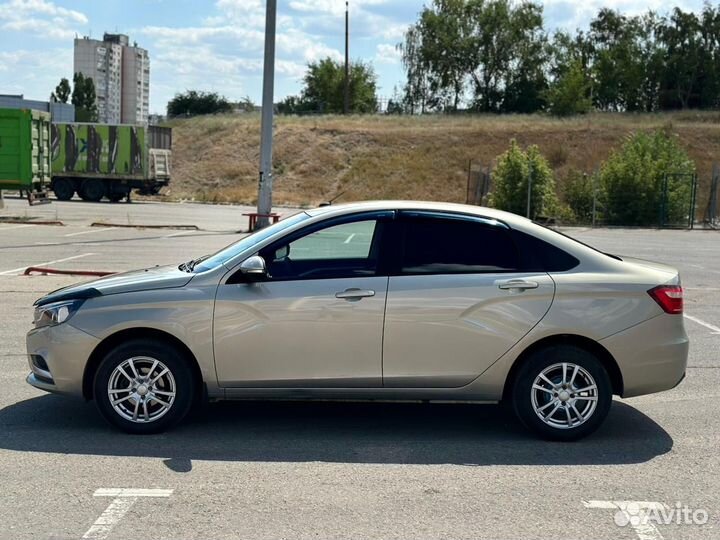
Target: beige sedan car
{"x":376,"y":301}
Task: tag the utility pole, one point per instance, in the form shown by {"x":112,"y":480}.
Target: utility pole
{"x":265,"y":185}
{"x":346,"y":107}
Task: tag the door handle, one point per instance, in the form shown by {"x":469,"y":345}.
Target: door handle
{"x":517,"y":285}
{"x":354,"y":294}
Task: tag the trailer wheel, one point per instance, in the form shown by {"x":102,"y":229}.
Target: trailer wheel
{"x":116,"y":196}
{"x":64,"y":189}
{"x":92,"y":190}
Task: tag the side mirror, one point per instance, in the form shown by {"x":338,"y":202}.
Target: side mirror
{"x":254,"y":267}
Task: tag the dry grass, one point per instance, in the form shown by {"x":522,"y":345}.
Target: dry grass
{"x":318,"y":158}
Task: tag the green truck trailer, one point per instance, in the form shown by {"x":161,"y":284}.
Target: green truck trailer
{"x":25,"y":151}
{"x":101,"y":160}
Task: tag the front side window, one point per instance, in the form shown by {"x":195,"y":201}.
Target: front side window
{"x":337,"y":251}
{"x":456,"y":246}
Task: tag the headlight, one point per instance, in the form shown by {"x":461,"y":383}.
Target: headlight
{"x":55,"y":313}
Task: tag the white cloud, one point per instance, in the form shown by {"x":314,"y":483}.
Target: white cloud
{"x":387,"y":54}
{"x":34,"y":73}
{"x":41,"y":18}
{"x":570,"y":15}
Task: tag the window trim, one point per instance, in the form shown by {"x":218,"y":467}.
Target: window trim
{"x":405,"y":216}
{"x":382,"y":217}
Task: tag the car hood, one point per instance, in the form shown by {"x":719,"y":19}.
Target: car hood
{"x":159,"y":277}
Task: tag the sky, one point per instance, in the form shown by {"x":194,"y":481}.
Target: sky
{"x":217,"y":45}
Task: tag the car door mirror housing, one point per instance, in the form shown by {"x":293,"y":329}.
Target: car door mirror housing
{"x":254,"y":267}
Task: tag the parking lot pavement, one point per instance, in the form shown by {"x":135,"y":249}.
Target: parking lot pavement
{"x":76,"y":212}
{"x":323,"y":470}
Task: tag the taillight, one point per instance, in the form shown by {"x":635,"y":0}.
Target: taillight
{"x":668,"y":297}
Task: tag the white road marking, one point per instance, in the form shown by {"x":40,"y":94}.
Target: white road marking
{"x":130,"y":492}
{"x":349,"y":238}
{"x":90,"y":232}
{"x":22,"y":268}
{"x":14,"y":227}
{"x":123,"y":501}
{"x":644,"y":529}
{"x":702,"y":288}
{"x":181,"y":233}
{"x":715,"y":329}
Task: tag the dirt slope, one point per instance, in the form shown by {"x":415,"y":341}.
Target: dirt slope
{"x":216,"y":158}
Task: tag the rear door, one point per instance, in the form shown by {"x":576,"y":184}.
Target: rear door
{"x":458,"y":300}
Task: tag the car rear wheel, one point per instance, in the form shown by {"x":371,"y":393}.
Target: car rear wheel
{"x":144,"y":386}
{"x":562,"y":393}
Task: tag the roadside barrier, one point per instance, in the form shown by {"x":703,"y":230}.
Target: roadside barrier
{"x":181,"y":227}
{"x":45,"y":271}
{"x":29,"y":222}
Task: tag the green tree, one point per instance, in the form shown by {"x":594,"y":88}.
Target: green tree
{"x":84,"y":98}
{"x":62,"y":91}
{"x":198,"y":103}
{"x":570,"y":93}
{"x":515,"y":168}
{"x":324,"y":87}
{"x":633,"y":180}
{"x":525,"y":80}
{"x":493,"y":49}
{"x":297,"y":105}
{"x":417,"y":87}
{"x":246,"y":104}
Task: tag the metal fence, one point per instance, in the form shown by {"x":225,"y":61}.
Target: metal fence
{"x":671,"y":205}
{"x":479,"y":182}
{"x":711,"y":217}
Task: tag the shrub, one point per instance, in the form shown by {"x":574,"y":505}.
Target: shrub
{"x":633,"y":178}
{"x":577,"y":193}
{"x":510,"y":179}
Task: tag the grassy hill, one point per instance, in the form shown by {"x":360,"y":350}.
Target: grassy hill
{"x":374,"y":157}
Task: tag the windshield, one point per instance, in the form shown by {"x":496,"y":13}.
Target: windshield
{"x":221,"y":257}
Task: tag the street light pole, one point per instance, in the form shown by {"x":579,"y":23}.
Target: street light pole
{"x":346,"y":107}
{"x":265,"y":185}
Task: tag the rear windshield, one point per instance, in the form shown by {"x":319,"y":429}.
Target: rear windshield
{"x":611,"y":255}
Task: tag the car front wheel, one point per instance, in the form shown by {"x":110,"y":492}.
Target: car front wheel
{"x":562,"y":393}
{"x":144,"y":386}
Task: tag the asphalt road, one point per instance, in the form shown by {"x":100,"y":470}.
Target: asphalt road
{"x":323,"y":470}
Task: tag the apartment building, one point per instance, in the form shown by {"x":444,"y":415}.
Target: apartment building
{"x":121,"y":73}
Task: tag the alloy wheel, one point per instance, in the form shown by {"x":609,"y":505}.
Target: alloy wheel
{"x":141,"y":389}
{"x":564,"y":395}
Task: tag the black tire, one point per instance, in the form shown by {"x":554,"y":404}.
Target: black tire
{"x":116,"y":196}
{"x":168,"y":357}
{"x":92,"y":190}
{"x":549,"y":361}
{"x":64,"y":189}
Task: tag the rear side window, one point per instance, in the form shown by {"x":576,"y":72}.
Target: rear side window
{"x":539,"y":255}
{"x":456,"y":246}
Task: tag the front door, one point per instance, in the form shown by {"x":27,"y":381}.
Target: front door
{"x":458,"y":302}
{"x":316,"y":321}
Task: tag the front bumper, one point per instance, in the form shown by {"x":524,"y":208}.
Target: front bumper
{"x":57,"y":356}
{"x":652,"y":356}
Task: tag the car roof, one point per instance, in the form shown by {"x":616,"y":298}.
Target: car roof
{"x":584,"y":253}
{"x":369,"y":206}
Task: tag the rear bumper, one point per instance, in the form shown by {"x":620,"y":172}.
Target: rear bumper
{"x":652,"y":356}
